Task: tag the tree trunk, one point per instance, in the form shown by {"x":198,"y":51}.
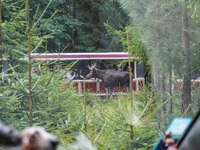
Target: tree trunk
{"x":170,"y":89}
{"x":163,"y":94}
{"x":157,"y":65}
{"x":72,"y":7}
{"x":131,"y":136}
{"x":74,"y":33}
{"x":29,"y":66}
{"x":186,"y":87}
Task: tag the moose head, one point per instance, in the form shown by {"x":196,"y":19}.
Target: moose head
{"x":92,"y":71}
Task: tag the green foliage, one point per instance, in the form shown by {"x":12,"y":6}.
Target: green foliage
{"x":61,"y":111}
{"x":194,"y":5}
{"x":79,"y":25}
{"x":56,"y":105}
{"x":12,"y":108}
{"x":135,"y":45}
{"x":106,"y":124}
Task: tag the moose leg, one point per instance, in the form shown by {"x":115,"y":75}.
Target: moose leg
{"x":107,"y":92}
{"x":110,"y":92}
{"x":127,"y":89}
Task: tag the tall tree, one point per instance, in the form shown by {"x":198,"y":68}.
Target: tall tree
{"x":186,"y":87}
{"x":25,"y":40}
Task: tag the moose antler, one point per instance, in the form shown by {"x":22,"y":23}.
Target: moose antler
{"x":92,"y":67}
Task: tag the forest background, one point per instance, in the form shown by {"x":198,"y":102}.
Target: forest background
{"x":164,"y":34}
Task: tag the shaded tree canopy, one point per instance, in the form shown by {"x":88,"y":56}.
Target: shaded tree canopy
{"x":78,"y":26}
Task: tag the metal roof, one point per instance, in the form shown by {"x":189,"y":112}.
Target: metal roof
{"x":81,"y":56}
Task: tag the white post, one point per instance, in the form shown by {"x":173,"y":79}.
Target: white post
{"x":97,"y":87}
{"x":135,"y":70}
{"x":79,"y":87}
{"x":137,"y":84}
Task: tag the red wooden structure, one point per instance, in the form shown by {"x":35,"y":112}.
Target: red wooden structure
{"x":194,"y":84}
{"x":93,"y":86}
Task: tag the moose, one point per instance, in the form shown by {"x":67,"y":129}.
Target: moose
{"x":109,"y":78}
